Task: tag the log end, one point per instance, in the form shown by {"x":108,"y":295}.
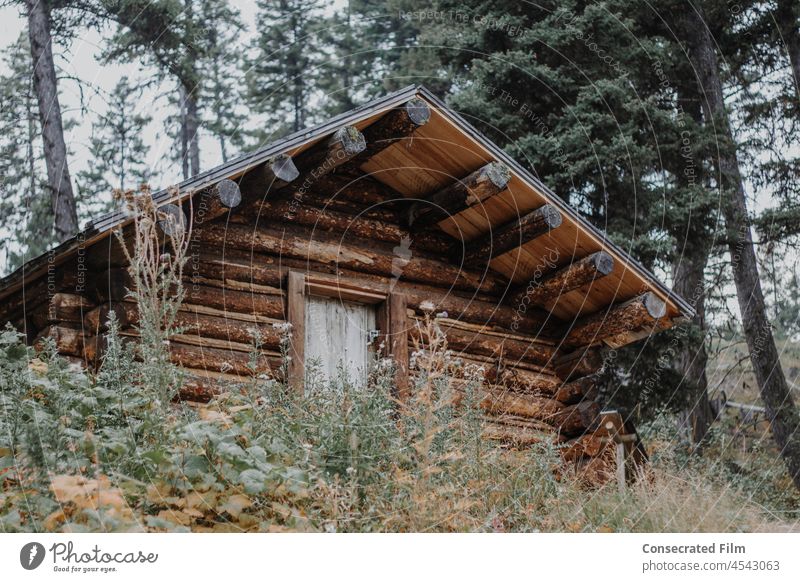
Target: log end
{"x":603,"y":262}
{"x":351,"y":140}
{"x":497,"y":173}
{"x":551,"y":216}
{"x":418,"y":111}
{"x":171,"y":220}
{"x":656,"y":307}
{"x":283,"y":168}
{"x":229,"y":194}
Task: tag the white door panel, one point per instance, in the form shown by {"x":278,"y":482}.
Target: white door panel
{"x":337,"y":332}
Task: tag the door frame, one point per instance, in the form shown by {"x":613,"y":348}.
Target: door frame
{"x":392,"y":320}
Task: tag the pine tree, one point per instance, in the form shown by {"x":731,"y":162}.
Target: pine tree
{"x":767,"y":368}
{"x":45,"y":85}
{"x":283,"y":71}
{"x":173,"y":37}
{"x":222,"y":88}
{"x":117,"y":149}
{"x":25,"y":212}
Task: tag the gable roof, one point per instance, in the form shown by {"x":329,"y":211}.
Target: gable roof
{"x":445,"y":149}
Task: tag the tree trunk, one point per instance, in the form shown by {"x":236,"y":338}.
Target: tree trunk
{"x":55,"y":149}
{"x":192,"y":128}
{"x":689,"y":273}
{"x":757,"y":330}
{"x":184,"y":135}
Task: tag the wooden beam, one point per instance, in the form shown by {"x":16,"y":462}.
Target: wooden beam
{"x":296,"y":317}
{"x":579,"y":363}
{"x":215,"y":201}
{"x":322,"y":158}
{"x":364,"y":255}
{"x":473,"y":189}
{"x":397,"y":337}
{"x":271,"y":176}
{"x":577,"y":418}
{"x":60,"y":308}
{"x":399,"y":123}
{"x":492,"y":345}
{"x":67,"y":340}
{"x":630,"y":315}
{"x":510,"y":236}
{"x":581,"y":389}
{"x":571,"y":277}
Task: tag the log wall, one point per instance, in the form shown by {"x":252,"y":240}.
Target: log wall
{"x":236,"y":282}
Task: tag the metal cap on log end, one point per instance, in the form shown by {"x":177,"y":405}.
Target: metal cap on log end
{"x":350,"y":139}
{"x":418,"y":111}
{"x":656,"y":307}
{"x":603,"y":262}
{"x":171,"y":220}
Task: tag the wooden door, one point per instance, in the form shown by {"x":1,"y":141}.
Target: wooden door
{"x":338,"y":334}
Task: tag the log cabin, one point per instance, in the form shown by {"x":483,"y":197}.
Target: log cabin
{"x":352,"y":231}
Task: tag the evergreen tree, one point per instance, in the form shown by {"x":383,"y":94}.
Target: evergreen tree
{"x":222,"y":89}
{"x":169,"y":35}
{"x":26,"y":218}
{"x":118,"y":153}
{"x":282,"y":74}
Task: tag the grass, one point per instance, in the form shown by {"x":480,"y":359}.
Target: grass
{"x":93,"y":453}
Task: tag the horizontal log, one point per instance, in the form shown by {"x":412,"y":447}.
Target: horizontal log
{"x":210,"y":359}
{"x":285,"y":204}
{"x":207,"y":326}
{"x":577,"y":418}
{"x":216,"y":359}
{"x":527,"y":381}
{"x":499,"y":402}
{"x":573,"y":276}
{"x":215,"y":201}
{"x":67,"y":340}
{"x":70,"y":278}
{"x":358,"y":189}
{"x":470,"y":342}
{"x":470,"y":307}
{"x":395,"y":125}
{"x":115,"y":284}
{"x":581,"y":362}
{"x":580,"y":389}
{"x":325,"y":156}
{"x":515,"y":435}
{"x":299,"y":211}
{"x":630,"y":315}
{"x":508,"y":237}
{"x":363,"y":256}
{"x":473,"y":189}
{"x":60,"y":308}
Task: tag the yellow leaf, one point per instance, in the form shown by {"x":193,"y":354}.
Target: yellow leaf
{"x":54,"y":520}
